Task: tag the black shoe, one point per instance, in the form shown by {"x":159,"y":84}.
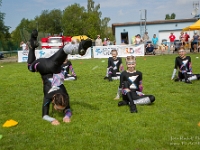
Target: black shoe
{"x":198,"y":76}
{"x":105,"y":78}
{"x":109,"y":78}
{"x":83,"y":46}
{"x":177,"y":80}
{"x":188,"y":81}
{"x":75,"y":77}
{"x":133,"y":108}
{"x":33,"y":43}
{"x":122,"y":103}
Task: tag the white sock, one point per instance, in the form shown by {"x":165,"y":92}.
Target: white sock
{"x":114,"y":78}
{"x":107,"y":69}
{"x":192,"y":78}
{"x":142,"y":101}
{"x":117,"y":97}
{"x":69,"y":78}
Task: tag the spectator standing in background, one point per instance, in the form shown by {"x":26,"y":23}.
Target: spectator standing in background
{"x":98,"y":41}
{"x":172,"y":37}
{"x":108,"y":41}
{"x":186,"y":39}
{"x":186,"y":36}
{"x":145,"y":37}
{"x":23,"y":45}
{"x":182,"y":38}
{"x":105,"y":42}
{"x":138,"y":39}
{"x":155,"y":41}
{"x":194,"y":42}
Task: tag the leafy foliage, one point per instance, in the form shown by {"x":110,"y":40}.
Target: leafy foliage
{"x":172,"y":16}
{"x":4,"y":32}
{"x":73,"y":20}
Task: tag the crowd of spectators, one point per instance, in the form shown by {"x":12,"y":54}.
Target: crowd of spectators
{"x":172,"y":43}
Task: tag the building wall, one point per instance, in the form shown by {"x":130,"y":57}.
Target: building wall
{"x":162,"y":30}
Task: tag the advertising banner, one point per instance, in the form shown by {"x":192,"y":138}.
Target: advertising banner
{"x":123,"y":50}
{"x":96,"y":51}
{"x":46,"y":53}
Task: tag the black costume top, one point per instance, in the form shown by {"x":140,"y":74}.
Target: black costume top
{"x":114,"y":63}
{"x":183,"y":64}
{"x":48,"y":96}
{"x":133,"y":79}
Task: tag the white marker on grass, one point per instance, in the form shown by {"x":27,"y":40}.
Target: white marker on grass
{"x":95,"y":67}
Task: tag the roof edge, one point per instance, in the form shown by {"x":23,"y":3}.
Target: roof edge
{"x":155,"y":22}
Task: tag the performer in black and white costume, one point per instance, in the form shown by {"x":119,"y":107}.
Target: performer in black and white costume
{"x":67,"y":68}
{"x":131,"y":85}
{"x":54,"y":90}
{"x":184,"y":65}
{"x":59,"y":98}
{"x":115,"y":66}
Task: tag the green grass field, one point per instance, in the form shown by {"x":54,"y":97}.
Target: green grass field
{"x":171,"y":123}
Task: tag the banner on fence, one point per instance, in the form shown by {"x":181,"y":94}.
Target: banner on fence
{"x":45,"y":53}
{"x":22,"y":56}
{"x":123,"y":50}
{"x":97,"y":51}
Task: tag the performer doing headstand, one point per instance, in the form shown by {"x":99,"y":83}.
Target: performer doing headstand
{"x":131,"y":84}
{"x":54,"y":91}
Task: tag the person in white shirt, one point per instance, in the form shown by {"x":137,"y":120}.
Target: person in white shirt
{"x":23,"y":45}
{"x":98,"y":41}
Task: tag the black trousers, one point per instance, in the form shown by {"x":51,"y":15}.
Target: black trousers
{"x":133,"y":94}
{"x":51,"y":65}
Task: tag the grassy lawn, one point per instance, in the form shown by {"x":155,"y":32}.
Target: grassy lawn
{"x":171,"y":123}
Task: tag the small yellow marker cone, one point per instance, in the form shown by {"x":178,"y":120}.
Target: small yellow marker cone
{"x":10,"y":123}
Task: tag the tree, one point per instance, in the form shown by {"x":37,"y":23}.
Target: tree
{"x":73,"y":20}
{"x":4,"y":32}
{"x":22,"y":31}
{"x":173,"y":16}
{"x":100,"y":24}
{"x":167,"y":16}
{"x":42,"y":21}
{"x":94,"y":21}
{"x":87,"y":22}
{"x":49,"y":21}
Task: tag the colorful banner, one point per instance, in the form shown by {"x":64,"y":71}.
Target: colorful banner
{"x":22,"y":56}
{"x":45,"y":53}
{"x":123,"y":50}
{"x":97,"y":51}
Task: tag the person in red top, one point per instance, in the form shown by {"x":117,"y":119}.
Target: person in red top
{"x":172,"y":38}
{"x":186,"y":36}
